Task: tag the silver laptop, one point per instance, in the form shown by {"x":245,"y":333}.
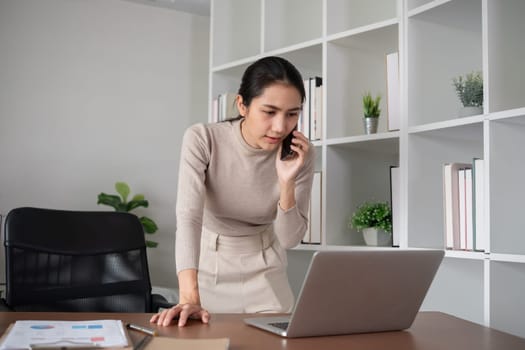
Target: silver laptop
{"x":358,"y":291}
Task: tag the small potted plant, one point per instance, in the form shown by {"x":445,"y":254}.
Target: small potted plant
{"x":371,"y":112}
{"x":121,"y":204}
{"x":374,"y":219}
{"x":469,"y":89}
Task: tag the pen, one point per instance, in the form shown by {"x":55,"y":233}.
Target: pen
{"x":142,"y":343}
{"x":148,"y":331}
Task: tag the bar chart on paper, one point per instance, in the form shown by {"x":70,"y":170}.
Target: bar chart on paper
{"x":53,"y":334}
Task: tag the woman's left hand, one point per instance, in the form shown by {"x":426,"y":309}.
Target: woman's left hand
{"x":287,"y":170}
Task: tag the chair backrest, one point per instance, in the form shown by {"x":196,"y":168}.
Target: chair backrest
{"x":61,"y":260}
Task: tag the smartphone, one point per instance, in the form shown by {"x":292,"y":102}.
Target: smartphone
{"x":286,"y":150}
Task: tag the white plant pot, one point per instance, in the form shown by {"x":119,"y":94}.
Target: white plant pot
{"x":468,"y":111}
{"x":376,"y":237}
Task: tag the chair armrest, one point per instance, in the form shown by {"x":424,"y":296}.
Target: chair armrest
{"x":4,"y":306}
{"x":158,"y":302}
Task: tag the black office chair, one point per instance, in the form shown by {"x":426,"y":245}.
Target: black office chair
{"x":60,"y":260}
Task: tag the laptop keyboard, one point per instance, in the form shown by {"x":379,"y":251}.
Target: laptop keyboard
{"x":282,"y":325}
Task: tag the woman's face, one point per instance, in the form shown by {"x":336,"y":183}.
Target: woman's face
{"x":271,"y":116}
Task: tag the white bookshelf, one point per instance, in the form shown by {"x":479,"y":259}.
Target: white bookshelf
{"x":345,"y":42}
{"x":445,"y":39}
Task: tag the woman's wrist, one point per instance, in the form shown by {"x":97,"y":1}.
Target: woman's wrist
{"x":188,"y":287}
{"x":189,"y":297}
{"x":287,"y":197}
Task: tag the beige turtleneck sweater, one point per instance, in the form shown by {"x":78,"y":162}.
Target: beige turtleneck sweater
{"x":232,"y":189}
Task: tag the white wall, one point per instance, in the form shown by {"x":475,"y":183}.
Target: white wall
{"x":96,"y":91}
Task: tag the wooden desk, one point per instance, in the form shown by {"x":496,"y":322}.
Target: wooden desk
{"x":430,"y":331}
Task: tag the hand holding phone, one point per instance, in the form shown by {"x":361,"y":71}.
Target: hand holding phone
{"x":286,"y":149}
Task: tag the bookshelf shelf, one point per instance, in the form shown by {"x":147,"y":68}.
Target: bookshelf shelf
{"x":458,"y":254}
{"x":443,"y":42}
{"x":345,"y":42}
{"x":357,"y":58}
{"x":506,"y":184}
{"x":285,"y":25}
{"x":312,"y":55}
{"x":513,"y":258}
{"x":511,"y":113}
{"x":509,"y":258}
{"x":427,"y":152}
{"x":365,"y":29}
{"x":505,"y":53}
{"x":346,"y":15}
{"x":419,"y":6}
{"x":459,"y":285}
{"x":308,"y":247}
{"x":393,"y":136}
{"x":236,"y":30}
{"x":506,"y":286}
{"x":446,"y":124}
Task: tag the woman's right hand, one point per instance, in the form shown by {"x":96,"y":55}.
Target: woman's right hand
{"x":189,"y":305}
{"x":183,"y":312}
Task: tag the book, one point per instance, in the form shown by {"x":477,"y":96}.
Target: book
{"x":451,"y":207}
{"x":227,"y":106}
{"x":469,"y":233}
{"x":478,"y":199}
{"x":316,"y":209}
{"x":462,"y":209}
{"x":215,"y":110}
{"x":318,"y":132}
{"x":393,"y":94}
{"x":395,"y":202}
{"x":304,"y":119}
{"x":315,"y":103}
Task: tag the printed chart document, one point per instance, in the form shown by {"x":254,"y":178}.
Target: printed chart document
{"x":68,"y":334}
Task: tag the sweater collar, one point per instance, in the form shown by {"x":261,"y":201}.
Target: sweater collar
{"x":247,"y":149}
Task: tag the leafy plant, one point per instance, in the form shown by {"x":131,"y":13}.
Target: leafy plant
{"x":470,"y":89}
{"x":372,"y":215}
{"x":371,"y":106}
{"x":121,"y":204}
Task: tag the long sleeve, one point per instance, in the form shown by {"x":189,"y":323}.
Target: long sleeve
{"x":190,"y":198}
{"x":290,"y":225}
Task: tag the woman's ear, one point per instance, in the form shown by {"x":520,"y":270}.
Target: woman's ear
{"x":240,"y":106}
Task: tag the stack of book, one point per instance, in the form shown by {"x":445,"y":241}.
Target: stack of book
{"x":463,"y":204}
{"x":313,"y":231}
{"x":311,"y":119}
{"x":224,"y":107}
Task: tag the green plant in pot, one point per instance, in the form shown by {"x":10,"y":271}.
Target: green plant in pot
{"x":469,"y":89}
{"x":371,"y":112}
{"x":121,"y":204}
{"x":374,"y":219}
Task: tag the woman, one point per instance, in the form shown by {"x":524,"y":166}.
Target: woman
{"x":239,"y":206}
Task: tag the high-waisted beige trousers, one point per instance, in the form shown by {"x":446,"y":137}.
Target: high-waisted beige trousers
{"x":244,"y":274}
